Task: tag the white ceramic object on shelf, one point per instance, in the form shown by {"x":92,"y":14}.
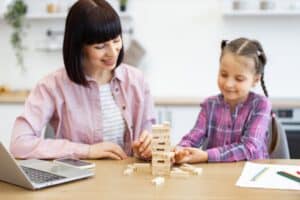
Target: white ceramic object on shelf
{"x":261,"y":8}
{"x":3,"y":6}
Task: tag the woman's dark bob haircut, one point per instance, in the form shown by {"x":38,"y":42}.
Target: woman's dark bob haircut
{"x":88,"y":22}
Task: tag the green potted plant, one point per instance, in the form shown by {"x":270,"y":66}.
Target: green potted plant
{"x":15,"y":16}
{"x":123,"y":5}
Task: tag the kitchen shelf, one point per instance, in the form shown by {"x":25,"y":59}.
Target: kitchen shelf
{"x":261,"y":13}
{"x":43,"y":16}
{"x":46,"y":16}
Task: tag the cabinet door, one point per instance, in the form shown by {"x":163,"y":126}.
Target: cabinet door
{"x":8,"y":114}
{"x":181,"y":118}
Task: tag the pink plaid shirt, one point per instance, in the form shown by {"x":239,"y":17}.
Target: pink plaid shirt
{"x":74,"y":112}
{"x":232,"y":136}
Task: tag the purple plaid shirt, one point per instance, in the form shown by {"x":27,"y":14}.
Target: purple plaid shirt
{"x":232,"y":136}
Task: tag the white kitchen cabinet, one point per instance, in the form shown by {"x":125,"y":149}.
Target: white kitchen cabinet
{"x":181,"y":118}
{"x":8,"y":114}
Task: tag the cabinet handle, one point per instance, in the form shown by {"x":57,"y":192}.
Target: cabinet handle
{"x":159,"y":116}
{"x":169,"y":117}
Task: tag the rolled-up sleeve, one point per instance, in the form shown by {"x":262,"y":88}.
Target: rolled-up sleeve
{"x":27,"y":140}
{"x":195,"y":137}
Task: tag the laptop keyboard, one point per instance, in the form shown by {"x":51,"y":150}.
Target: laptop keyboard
{"x":39,"y":176}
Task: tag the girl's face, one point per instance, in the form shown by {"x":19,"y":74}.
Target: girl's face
{"x":102,"y":56}
{"x":236,"y":78}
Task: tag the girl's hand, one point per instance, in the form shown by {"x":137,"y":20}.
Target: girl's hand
{"x":142,"y":147}
{"x":190,"y":155}
{"x":106,"y":150}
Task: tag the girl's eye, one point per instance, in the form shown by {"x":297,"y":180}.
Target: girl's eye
{"x":240,"y":79}
{"x":223,"y":75}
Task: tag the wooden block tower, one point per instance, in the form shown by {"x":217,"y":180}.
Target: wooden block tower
{"x":161,"y":150}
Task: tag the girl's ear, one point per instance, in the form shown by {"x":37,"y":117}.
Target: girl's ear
{"x":256,"y":79}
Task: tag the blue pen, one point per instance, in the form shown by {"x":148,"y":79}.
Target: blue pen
{"x":256,"y":176}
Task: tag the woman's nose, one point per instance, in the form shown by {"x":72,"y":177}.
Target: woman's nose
{"x":112,"y":50}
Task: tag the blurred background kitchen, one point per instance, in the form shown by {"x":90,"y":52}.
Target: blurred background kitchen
{"x":175,"y":43}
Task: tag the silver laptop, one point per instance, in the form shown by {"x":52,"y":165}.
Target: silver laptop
{"x":35,"y":174}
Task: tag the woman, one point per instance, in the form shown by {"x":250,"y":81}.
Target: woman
{"x":98,"y":107}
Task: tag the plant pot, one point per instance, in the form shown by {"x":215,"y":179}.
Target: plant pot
{"x":123,"y":8}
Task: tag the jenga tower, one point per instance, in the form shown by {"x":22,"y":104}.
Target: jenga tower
{"x":161,"y":147}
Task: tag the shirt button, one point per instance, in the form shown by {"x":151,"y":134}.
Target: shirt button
{"x":123,"y":107}
{"x":116,"y":89}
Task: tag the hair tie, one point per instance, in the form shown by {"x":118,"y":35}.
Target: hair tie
{"x":224,"y":43}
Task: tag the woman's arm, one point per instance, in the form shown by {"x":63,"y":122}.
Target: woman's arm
{"x":27,"y":140}
{"x":142,"y":146}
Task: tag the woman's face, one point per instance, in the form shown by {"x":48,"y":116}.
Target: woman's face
{"x":102,"y":55}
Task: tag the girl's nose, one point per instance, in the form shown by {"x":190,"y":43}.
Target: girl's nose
{"x":229,"y":83}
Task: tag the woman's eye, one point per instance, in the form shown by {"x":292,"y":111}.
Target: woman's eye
{"x":99,"y":46}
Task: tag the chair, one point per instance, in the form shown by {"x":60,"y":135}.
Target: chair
{"x":49,"y":132}
{"x":278,"y":144}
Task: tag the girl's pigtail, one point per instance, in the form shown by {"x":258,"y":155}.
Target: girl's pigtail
{"x":223,"y":44}
{"x":263,"y":85}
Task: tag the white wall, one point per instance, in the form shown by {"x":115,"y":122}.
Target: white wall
{"x":182,"y":39}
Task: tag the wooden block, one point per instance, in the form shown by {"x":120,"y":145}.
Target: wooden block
{"x":161,"y":170}
{"x":179,"y":174}
{"x":128,"y":171}
{"x":158,"y":180}
{"x":160,"y":150}
{"x":161,"y":155}
{"x":191,"y":169}
{"x":198,"y":171}
{"x":161,"y":173}
{"x":131,"y":167}
{"x":158,"y":143}
{"x":145,"y":167}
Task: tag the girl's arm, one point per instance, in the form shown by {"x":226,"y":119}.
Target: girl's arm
{"x":253,"y":142}
{"x":27,"y":140}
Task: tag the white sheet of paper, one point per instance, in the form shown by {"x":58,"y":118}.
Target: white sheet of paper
{"x":269,"y":179}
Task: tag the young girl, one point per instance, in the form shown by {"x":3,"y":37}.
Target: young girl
{"x":234,"y":123}
{"x":98,"y":106}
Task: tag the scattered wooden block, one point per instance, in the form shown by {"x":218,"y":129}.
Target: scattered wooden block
{"x":198,"y":171}
{"x":131,"y":167}
{"x":178,"y":173}
{"x":145,"y":167}
{"x":191,"y":169}
{"x":158,"y":180}
{"x":128,"y":171}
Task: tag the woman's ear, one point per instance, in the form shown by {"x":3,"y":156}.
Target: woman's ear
{"x":256,"y":79}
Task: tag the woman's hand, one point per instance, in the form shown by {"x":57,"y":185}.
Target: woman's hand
{"x":189,"y":155}
{"x":142,"y":147}
{"x":106,"y":150}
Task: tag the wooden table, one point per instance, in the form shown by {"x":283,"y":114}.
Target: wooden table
{"x":216,"y":182}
